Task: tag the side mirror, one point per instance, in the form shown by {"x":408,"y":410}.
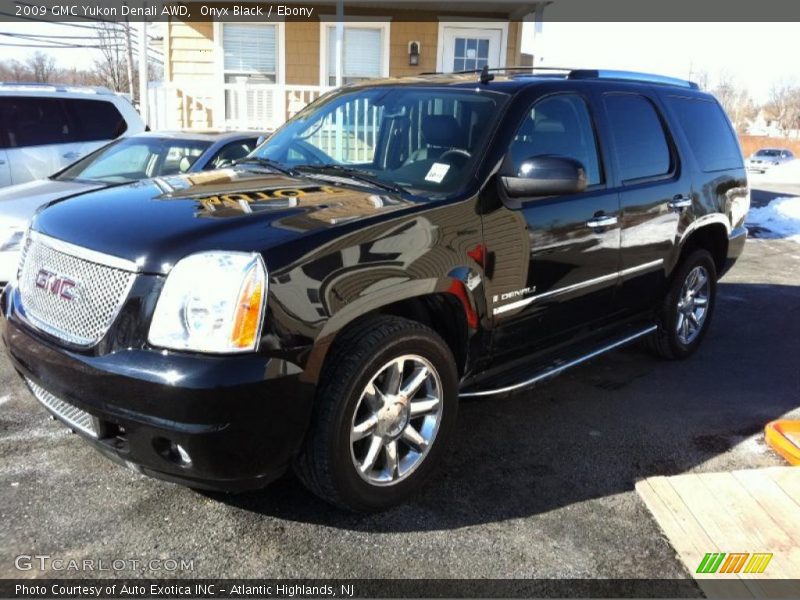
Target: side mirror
{"x":546,"y":175}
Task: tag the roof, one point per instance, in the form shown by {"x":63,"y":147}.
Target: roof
{"x":512,"y":79}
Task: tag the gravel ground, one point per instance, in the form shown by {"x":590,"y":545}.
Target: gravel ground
{"x":539,"y":485}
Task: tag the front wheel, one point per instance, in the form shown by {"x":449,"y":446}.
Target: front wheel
{"x":688,"y":307}
{"x":385,"y":410}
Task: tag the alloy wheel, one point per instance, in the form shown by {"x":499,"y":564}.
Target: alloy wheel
{"x":693,"y":305}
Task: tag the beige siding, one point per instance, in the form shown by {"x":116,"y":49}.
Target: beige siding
{"x":302,"y":52}
{"x":403,"y":32}
{"x":191,"y":52}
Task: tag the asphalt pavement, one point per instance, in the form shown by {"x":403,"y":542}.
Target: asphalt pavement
{"x":539,"y":484}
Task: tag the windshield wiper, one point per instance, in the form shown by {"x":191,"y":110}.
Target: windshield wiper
{"x":353,"y":173}
{"x":264,"y":162}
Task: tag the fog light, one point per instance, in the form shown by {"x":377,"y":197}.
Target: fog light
{"x":173,"y":452}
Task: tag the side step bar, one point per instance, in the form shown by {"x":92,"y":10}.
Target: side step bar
{"x":557,"y":369}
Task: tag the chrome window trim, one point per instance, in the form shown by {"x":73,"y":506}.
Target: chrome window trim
{"x":576,"y":286}
{"x":86,"y":254}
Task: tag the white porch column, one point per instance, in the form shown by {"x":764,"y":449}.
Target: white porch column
{"x":339,"y":41}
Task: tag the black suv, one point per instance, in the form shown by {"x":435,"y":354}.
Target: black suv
{"x":394,"y":247}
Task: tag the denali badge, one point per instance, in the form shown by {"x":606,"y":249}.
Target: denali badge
{"x":514,"y":294}
{"x":62,"y":287}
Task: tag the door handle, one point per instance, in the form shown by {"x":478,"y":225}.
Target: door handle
{"x":601,"y":221}
{"x":72,"y":155}
{"x":680,"y":202}
{"x":2,"y":162}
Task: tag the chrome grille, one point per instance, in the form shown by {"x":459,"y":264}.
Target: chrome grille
{"x":72,"y":415}
{"x":99,"y":285}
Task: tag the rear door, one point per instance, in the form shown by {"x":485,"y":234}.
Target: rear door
{"x":94,"y":124}
{"x":557,"y":274}
{"x":655,"y":188}
{"x":5,"y":172}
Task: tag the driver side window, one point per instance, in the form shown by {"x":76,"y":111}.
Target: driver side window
{"x":559,"y":126}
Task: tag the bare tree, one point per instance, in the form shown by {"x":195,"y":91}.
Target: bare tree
{"x":111,"y":68}
{"x":42,"y":67}
{"x":783,"y":106}
{"x":736,"y":101}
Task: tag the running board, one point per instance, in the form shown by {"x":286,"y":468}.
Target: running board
{"x":557,"y":369}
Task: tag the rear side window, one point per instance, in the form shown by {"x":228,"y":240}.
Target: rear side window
{"x":709,"y":134}
{"x":34,"y":121}
{"x":641,"y":145}
{"x":95,"y":120}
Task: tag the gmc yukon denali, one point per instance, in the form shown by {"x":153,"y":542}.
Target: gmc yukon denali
{"x":324,"y":303}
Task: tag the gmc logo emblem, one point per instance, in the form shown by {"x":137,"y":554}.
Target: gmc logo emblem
{"x":63,"y":287}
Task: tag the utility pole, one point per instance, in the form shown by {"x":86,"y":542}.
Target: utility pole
{"x":129,"y":52}
{"x":143,"y":70}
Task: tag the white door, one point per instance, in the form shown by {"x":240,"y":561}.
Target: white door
{"x":5,"y":172}
{"x":469,"y":48}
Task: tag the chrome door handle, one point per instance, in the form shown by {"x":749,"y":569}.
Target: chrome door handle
{"x":680,"y":202}
{"x":72,"y":155}
{"x":601,"y":221}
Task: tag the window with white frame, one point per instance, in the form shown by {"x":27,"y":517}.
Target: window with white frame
{"x":363,"y":55}
{"x":250,"y":52}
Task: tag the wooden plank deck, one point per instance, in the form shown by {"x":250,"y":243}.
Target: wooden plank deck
{"x":752,"y":511}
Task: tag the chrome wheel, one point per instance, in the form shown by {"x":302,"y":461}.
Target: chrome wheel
{"x":396,"y":420}
{"x":693,"y":305}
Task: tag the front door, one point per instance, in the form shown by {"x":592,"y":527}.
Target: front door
{"x":470,"y":48}
{"x":572,"y":242}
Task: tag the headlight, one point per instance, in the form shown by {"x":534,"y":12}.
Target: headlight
{"x":11,"y":239}
{"x":211,"y":302}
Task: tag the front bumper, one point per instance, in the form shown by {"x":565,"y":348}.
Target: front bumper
{"x":239,"y":419}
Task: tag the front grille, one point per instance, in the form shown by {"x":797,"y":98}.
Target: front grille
{"x":72,"y":297}
{"x":72,"y":415}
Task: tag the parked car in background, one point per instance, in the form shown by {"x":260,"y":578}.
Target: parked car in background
{"x":122,"y":161}
{"x":765,"y":158}
{"x":44,"y":128}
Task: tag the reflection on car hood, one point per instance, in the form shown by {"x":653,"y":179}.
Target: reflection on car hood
{"x":19,"y":202}
{"x":158,"y":221}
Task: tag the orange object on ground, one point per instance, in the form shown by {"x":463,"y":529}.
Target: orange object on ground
{"x":784,"y":437}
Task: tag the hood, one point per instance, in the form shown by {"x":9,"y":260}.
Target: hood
{"x":19,"y":202}
{"x":156,"y":222}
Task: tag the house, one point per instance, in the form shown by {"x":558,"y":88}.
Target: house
{"x":257,"y":73}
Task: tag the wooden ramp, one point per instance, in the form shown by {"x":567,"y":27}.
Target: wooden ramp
{"x":743,"y":512}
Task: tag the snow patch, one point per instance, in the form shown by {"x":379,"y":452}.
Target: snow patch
{"x":780,"y":218}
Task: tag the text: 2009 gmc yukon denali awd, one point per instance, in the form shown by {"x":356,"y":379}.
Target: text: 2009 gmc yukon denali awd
{"x":395,"y":246}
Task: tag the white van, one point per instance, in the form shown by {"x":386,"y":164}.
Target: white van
{"x":44,"y":128}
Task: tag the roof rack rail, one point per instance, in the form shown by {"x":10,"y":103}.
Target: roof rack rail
{"x":583,"y":74}
{"x":55,"y":87}
{"x":630,"y":76}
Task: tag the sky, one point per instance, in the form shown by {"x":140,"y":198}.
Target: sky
{"x":756,"y":55}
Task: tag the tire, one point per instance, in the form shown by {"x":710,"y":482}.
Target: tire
{"x":363,"y":365}
{"x":671,"y":340}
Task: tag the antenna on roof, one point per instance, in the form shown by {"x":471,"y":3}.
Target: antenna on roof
{"x":486,"y":76}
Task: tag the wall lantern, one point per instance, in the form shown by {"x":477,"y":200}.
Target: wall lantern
{"x":413,"y":53}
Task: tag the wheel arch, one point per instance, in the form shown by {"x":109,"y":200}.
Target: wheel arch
{"x":710,"y":234}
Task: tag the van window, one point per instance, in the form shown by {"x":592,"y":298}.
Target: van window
{"x":95,"y":120}
{"x":641,"y":146}
{"x":709,"y":133}
{"x":34,"y":121}
{"x":558,"y":125}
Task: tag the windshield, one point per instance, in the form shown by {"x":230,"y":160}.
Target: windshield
{"x":413,"y":138}
{"x":134,"y":158}
{"x":768,"y":153}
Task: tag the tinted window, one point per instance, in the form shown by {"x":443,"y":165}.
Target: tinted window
{"x":641,"y":146}
{"x":32,"y":121}
{"x":558,"y":125}
{"x":709,"y":134}
{"x":95,"y":120}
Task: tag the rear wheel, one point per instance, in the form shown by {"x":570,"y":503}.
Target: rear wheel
{"x":688,"y":307}
{"x":385,"y":410}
